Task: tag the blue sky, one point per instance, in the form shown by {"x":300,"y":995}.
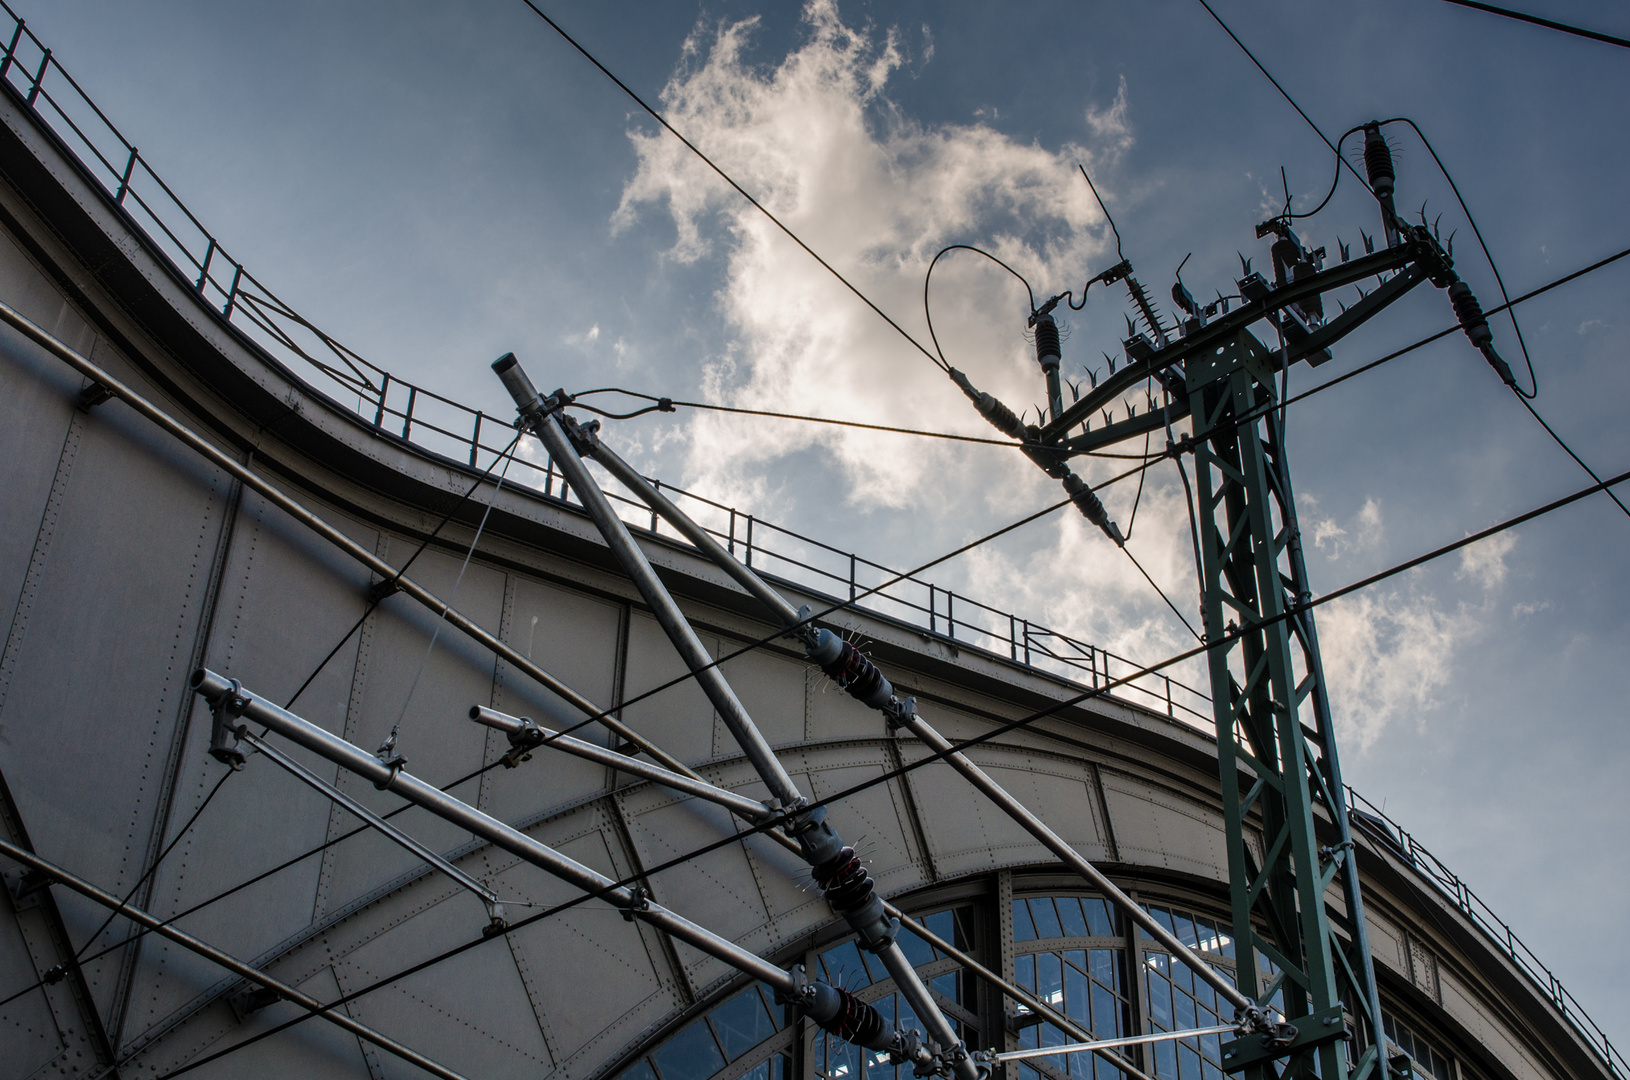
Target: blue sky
{"x":435,"y":185}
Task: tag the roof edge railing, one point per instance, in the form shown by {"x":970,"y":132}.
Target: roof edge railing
{"x":435,"y":424}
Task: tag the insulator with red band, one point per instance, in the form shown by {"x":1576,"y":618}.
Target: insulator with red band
{"x":850,"y":669}
{"x":844,"y":880}
{"x":838,"y":1011}
{"x":1378,"y":161}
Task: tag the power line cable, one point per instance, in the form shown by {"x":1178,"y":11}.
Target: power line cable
{"x":709,"y":407}
{"x":649,"y":693}
{"x":929,"y":277}
{"x":934,"y":756}
{"x":1286,"y":95}
{"x":659,"y":118}
{"x":1549,"y":24}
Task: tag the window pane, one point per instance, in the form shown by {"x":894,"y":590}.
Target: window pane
{"x":1070,"y":917}
{"x":1185,"y":929}
{"x":1050,"y":979}
{"x":777,"y":1012}
{"x":640,"y":1070}
{"x":1105,"y":969}
{"x":1100,"y":919}
{"x":1077,"y":957}
{"x":1188,"y":1061}
{"x":761,"y":1071}
{"x":1107,"y":1013}
{"x":690,"y":1055}
{"x":917,"y":951}
{"x":1077,"y":999}
{"x":1041,"y":909}
{"x":1023,"y":928}
{"x":741,"y":1023}
{"x":844,"y":967}
{"x":1160,"y":1000}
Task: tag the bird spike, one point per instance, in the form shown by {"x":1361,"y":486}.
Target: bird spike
{"x":1075,"y":390}
{"x":1131,"y":409}
{"x":1109,"y":416}
{"x":1111,"y":360}
{"x":1423,"y":212}
{"x":1150,"y":398}
{"x":1343,"y":305}
{"x":1346,"y":253}
{"x":1451,"y":245}
{"x":1130,"y":329}
{"x":1435,"y":234}
{"x":1092,"y":374}
{"x":1369,"y":242}
{"x":1244,"y":265}
{"x":1361,"y":291}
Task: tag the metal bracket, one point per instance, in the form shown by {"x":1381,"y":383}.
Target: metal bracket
{"x":25,"y":886}
{"x":225,"y":736}
{"x":1309,"y":1031}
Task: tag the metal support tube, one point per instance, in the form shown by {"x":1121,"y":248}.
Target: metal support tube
{"x":1071,"y":858}
{"x":337,"y":1017}
{"x":391,"y":832}
{"x":668,"y":615}
{"x":328,"y":532}
{"x":523,"y":732}
{"x":699,"y":537}
{"x":1016,"y":993}
{"x":223,"y":693}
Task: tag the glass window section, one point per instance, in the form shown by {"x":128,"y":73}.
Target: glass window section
{"x":741,"y":1023}
{"x":845,"y":968}
{"x":640,"y":1070}
{"x":1102,"y":920}
{"x":692,"y":1054}
{"x":1023,"y":928}
{"x":1046,"y":917}
{"x":1070,"y":917}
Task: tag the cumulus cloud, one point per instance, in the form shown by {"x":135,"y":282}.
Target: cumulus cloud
{"x":816,"y":139}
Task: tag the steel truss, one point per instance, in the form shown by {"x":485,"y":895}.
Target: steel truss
{"x":1281,"y":779}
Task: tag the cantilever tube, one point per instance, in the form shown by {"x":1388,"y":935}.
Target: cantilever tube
{"x":703,"y":540}
{"x":334,"y":1016}
{"x":1071,"y":858}
{"x":1007,"y":803}
{"x":739,"y":804}
{"x":328,"y":532}
{"x":391,"y":832}
{"x":214,"y":689}
{"x":667,"y":612}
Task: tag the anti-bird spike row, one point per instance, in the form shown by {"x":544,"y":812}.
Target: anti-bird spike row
{"x":842,"y":877}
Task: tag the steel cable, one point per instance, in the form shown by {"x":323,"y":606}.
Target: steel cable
{"x":934,"y":756}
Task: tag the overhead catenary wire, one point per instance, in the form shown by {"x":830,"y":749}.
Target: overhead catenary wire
{"x":928,"y":277}
{"x":712,"y":407}
{"x":1549,"y":24}
{"x":1554,"y":284}
{"x":934,"y":756}
{"x":709,"y":162}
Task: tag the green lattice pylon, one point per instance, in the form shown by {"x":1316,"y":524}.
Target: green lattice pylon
{"x":1293,"y":882}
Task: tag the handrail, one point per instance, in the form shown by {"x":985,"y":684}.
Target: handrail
{"x":274,"y":329}
{"x":1431,"y":869}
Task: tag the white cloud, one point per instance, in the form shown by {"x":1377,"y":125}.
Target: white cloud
{"x":1387,"y":656}
{"x":817,"y":141}
{"x":1362,"y":533}
{"x":1484,"y":561}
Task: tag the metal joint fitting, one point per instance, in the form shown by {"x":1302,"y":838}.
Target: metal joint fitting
{"x":585,"y":438}
{"x":640,"y":901}
{"x":225,"y":735}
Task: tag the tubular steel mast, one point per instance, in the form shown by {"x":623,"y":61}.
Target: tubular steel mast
{"x":1296,"y":904}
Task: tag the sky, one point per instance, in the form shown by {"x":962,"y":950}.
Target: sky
{"x":435,"y":185}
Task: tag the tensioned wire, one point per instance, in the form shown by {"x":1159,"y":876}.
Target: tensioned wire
{"x":1221,"y":428}
{"x":1290,"y":612}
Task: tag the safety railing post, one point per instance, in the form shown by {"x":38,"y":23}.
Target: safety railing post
{"x":475,"y":439}
{"x":749,"y":559}
{"x":130,"y":169}
{"x":1013,"y":637}
{"x":232,"y":296}
{"x":731,"y":546}
{"x":851,"y":578}
{"x":34,"y":91}
{"x":1168,"y":695}
{"x":932,"y":626}
{"x":950,"y":613}
{"x":407,"y":417}
{"x":1027,"y":642}
{"x":384,"y":388}
{"x":658,"y":485}
{"x":11,"y":49}
{"x":203,"y":273}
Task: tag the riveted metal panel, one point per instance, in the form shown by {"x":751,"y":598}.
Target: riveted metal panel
{"x":678,"y":719}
